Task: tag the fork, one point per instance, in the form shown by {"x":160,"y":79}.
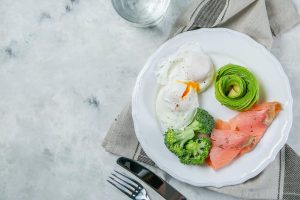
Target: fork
{"x":128,"y":186}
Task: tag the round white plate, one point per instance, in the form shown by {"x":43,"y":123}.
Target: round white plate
{"x":223,"y":46}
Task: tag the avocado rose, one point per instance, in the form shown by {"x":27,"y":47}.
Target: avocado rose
{"x":236,"y":87}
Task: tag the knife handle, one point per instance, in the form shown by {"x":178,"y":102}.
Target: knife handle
{"x":154,"y":181}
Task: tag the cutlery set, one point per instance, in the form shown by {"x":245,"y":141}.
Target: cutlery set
{"x":133,"y":189}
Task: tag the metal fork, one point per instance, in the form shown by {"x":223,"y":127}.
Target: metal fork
{"x":133,"y":189}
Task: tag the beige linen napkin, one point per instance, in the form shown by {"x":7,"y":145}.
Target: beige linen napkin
{"x":262,"y":20}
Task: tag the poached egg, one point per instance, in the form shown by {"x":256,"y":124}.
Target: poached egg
{"x":189,"y":64}
{"x":182,"y":77}
{"x":174,"y":110}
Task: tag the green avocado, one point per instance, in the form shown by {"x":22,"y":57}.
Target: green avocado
{"x":236,"y":87}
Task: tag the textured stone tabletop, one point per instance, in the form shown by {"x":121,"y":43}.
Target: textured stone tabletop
{"x":67,"y":67}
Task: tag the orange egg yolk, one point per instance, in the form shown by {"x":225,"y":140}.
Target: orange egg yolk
{"x":189,"y":84}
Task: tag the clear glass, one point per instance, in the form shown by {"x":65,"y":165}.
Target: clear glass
{"x":141,"y":13}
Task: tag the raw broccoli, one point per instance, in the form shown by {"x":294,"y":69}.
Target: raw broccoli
{"x":204,"y":121}
{"x":196,"y":151}
{"x":175,"y":139}
{"x":186,"y":144}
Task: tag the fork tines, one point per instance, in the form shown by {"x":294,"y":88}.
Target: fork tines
{"x":125,"y":184}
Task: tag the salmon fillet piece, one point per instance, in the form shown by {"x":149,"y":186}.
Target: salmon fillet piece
{"x":229,"y":139}
{"x":220,"y":124}
{"x":220,"y":157}
{"x":226,"y":145}
{"x":255,"y":121}
{"x":241,"y":133}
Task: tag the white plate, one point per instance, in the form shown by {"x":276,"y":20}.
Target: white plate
{"x":224,"y":46}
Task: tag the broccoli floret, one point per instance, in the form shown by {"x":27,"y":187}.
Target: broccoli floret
{"x":186,"y":143}
{"x":196,"y":151}
{"x":204,"y":121}
{"x":177,"y":150}
{"x":175,"y":139}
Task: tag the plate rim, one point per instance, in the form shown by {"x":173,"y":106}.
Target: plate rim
{"x":264,"y":163}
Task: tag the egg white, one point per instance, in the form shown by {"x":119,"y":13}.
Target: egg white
{"x":189,"y":66}
{"x":172,"y":110}
{"x":190,"y":63}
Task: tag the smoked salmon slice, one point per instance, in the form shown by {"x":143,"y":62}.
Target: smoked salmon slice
{"x":220,"y":124}
{"x":229,"y":139}
{"x":241,"y":133}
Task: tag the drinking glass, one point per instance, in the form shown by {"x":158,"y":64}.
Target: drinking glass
{"x":141,"y":13}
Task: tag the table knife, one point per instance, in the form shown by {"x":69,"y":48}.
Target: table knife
{"x":154,"y":181}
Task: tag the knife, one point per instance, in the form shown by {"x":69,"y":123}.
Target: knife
{"x":154,"y":181}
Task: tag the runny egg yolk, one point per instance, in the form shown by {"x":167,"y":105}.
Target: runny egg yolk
{"x":189,"y":84}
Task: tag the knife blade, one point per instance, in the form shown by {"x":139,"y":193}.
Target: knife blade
{"x":154,"y":181}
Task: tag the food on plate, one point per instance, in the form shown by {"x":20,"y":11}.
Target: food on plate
{"x":256,"y":121}
{"x":226,"y":145}
{"x":182,"y":77}
{"x":236,"y":87}
{"x":191,"y":144}
{"x":241,"y":133}
{"x":188,"y":65}
{"x":172,"y":110}
{"x":190,"y":131}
